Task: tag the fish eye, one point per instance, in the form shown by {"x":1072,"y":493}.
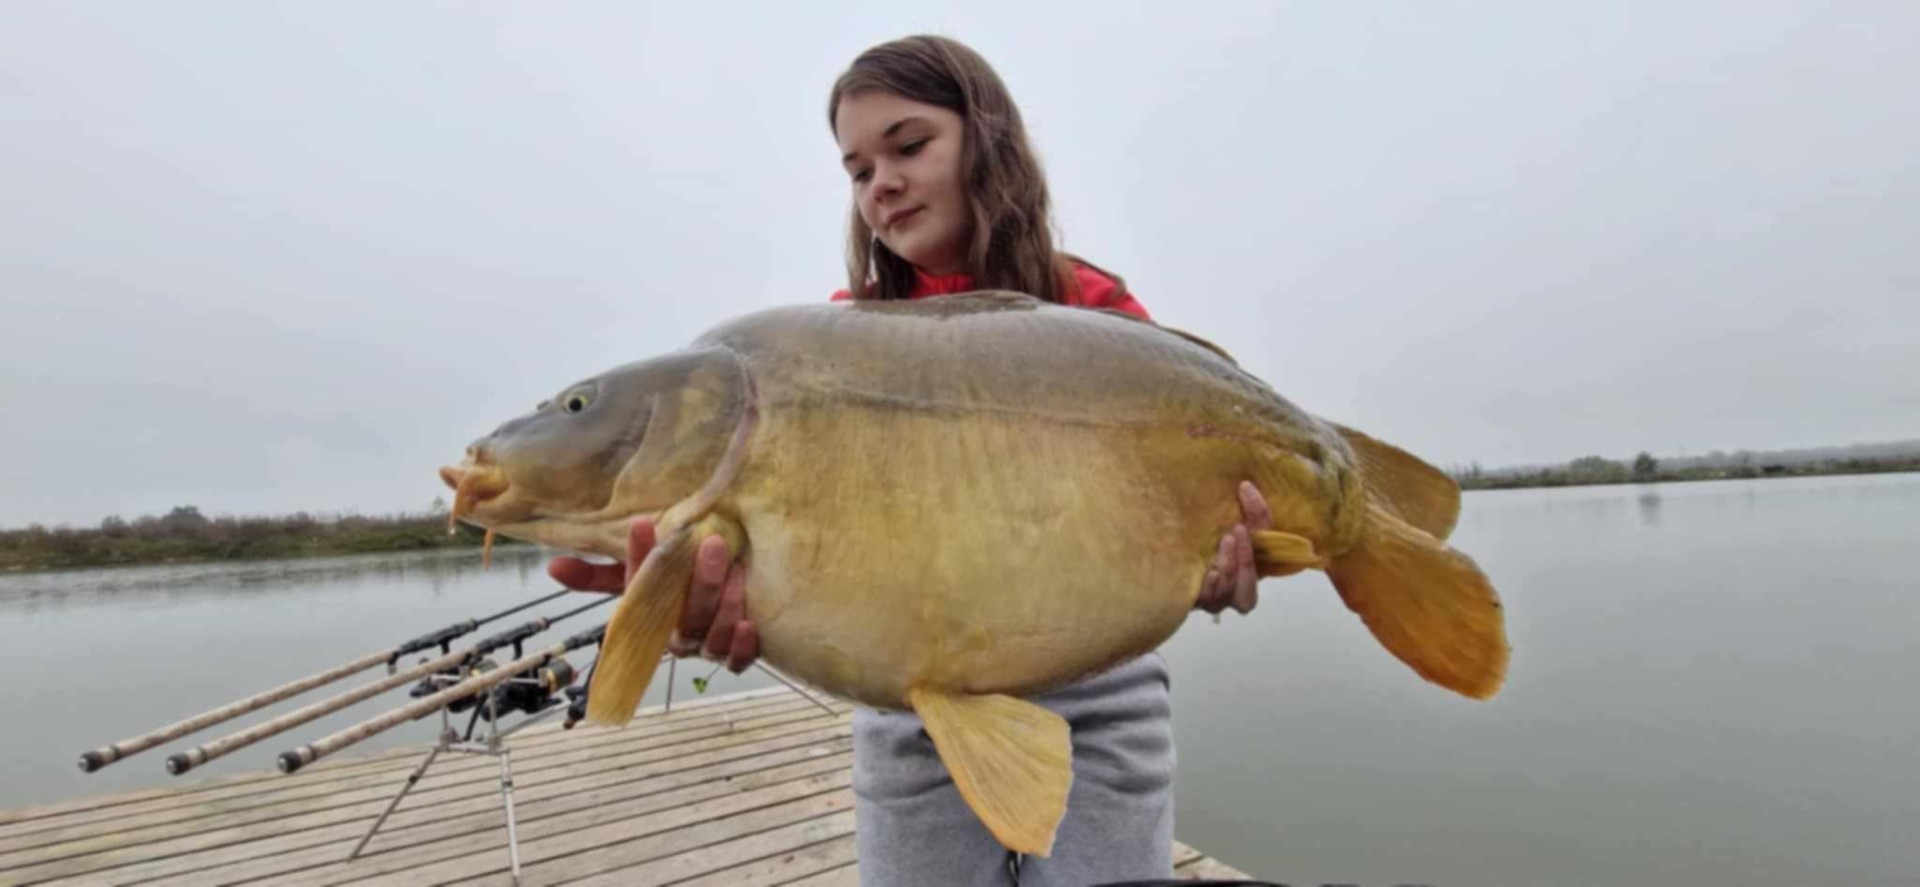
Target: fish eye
{"x":577,"y":401}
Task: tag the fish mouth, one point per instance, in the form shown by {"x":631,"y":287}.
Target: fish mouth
{"x":472,"y":485}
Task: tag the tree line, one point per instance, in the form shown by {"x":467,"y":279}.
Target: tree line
{"x":1646,"y":468}
{"x":185,"y":534}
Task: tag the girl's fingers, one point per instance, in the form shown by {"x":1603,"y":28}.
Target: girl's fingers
{"x":746,"y":647}
{"x":710,"y":563}
{"x":1253,"y":507}
{"x":1209,"y":593}
{"x":1246,"y":580}
{"x":1215,"y":589}
{"x":733,"y":611}
{"x":703,"y":597}
{"x":639,"y":542}
{"x":580,"y":575}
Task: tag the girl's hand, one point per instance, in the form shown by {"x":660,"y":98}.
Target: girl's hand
{"x":716,"y":596}
{"x":1233,"y":580}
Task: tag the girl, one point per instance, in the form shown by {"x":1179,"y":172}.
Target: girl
{"x":948,"y":197}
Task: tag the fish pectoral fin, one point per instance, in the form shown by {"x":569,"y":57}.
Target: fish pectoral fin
{"x":1428,"y":604}
{"x":637,"y":633}
{"x":1283,"y":554}
{"x":1011,"y":759}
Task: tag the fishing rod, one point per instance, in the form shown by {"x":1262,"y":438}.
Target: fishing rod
{"x":443,"y":638}
{"x":452,"y":662}
{"x":291,"y":761}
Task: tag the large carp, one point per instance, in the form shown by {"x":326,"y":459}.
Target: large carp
{"x":948,"y":504}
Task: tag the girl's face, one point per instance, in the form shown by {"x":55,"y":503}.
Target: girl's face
{"x":905,"y":161}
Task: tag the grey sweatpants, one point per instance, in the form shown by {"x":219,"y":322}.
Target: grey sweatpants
{"x":913,"y":828}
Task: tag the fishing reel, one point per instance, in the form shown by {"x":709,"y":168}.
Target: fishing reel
{"x":532,"y":694}
{"x":447,"y":677}
{"x":577,"y":708}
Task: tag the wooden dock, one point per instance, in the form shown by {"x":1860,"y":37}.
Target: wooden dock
{"x":747,"y":789}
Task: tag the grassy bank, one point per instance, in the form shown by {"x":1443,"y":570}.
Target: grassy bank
{"x":1594,"y":471}
{"x":186,"y":535}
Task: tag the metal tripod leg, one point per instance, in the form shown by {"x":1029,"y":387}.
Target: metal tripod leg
{"x":412,"y":780}
{"x":794,"y":687}
{"x":506,"y":795}
{"x":673,"y":663}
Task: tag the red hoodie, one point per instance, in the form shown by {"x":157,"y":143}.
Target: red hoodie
{"x":1091,"y":290}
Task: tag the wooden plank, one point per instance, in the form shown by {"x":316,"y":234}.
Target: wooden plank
{"x":489,"y":847}
{"x":415,"y":823}
{"x":583,"y":851}
{"x":234,"y":793}
{"x":726,"y":770}
{"x":269,"y":786}
{"x":26,"y":818}
{"x":1207,"y":867}
{"x":679,"y":866}
{"x":444,"y":781}
{"x":1182,"y":854}
{"x":748,"y":789}
{"x":10,"y":819}
{"x":205,"y":833}
{"x":844,"y":876}
{"x":782,"y":867}
{"x":450,"y":781}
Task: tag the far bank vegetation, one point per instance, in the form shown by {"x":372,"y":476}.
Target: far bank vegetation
{"x":185,"y":534}
{"x":1717,"y":465}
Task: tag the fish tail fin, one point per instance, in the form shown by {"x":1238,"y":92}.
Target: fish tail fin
{"x":1011,"y":759}
{"x":637,"y":634}
{"x":1428,"y":604}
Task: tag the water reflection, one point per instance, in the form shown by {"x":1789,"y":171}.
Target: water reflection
{"x":1649,"y":500}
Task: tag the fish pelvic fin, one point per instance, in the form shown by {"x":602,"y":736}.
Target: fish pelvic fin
{"x":1406,"y":485}
{"x":1011,"y":759}
{"x":1428,"y":604}
{"x":637,"y":634}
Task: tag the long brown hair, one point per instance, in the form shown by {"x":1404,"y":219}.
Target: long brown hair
{"x":1012,"y":246}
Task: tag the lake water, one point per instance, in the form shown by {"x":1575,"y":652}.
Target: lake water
{"x":1712,"y":684}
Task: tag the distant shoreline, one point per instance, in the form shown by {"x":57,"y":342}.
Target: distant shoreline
{"x":185,"y":537}
{"x":501,"y":547}
{"x":1563,"y":477}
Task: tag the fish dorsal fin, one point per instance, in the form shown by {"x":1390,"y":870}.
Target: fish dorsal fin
{"x":1011,"y":759}
{"x":1420,"y":494}
{"x":1204,"y":344}
{"x":1181,"y":333}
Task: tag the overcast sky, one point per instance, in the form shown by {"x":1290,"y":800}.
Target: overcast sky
{"x":271,"y":257}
